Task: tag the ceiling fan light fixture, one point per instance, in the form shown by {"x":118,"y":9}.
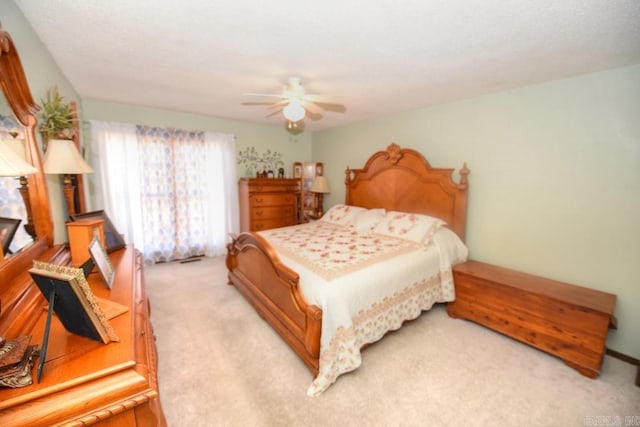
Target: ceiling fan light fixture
{"x":294,"y":111}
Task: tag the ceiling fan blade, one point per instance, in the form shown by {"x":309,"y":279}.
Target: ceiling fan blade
{"x":311,"y":107}
{"x":268,"y":104}
{"x":258,"y":103}
{"x":315,"y":116}
{"x":274,"y":113}
{"x":279,"y":103}
{"x":331,"y":106}
{"x":270,"y":95}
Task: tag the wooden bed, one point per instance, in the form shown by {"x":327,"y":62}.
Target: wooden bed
{"x":395,"y":179}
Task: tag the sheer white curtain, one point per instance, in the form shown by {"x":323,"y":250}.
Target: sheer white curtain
{"x":222,"y":194}
{"x":174,"y":191}
{"x":114,"y":156}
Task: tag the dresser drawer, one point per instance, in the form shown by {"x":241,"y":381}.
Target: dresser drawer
{"x":272,"y":199}
{"x":272,"y":186}
{"x":266,"y":224}
{"x":270,"y":212}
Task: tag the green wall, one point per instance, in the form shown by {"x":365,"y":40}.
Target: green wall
{"x":554,"y":183}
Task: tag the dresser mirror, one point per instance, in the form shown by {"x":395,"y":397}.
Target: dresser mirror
{"x":19,"y":109}
{"x":13,"y":189}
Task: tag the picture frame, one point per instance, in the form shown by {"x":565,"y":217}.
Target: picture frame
{"x":102,"y":262}
{"x":70,"y":297}
{"x":297,"y":170}
{"x":76,"y":306}
{"x":8,"y":228}
{"x":112,"y":239}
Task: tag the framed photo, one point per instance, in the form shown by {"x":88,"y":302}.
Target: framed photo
{"x":112,"y":239}
{"x":102,"y":261}
{"x":297,"y":170}
{"x":77,"y":307}
{"x":8,"y":228}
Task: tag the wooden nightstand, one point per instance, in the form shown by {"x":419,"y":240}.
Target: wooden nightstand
{"x":565,"y":320}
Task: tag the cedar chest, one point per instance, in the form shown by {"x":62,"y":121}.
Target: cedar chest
{"x":567,"y":321}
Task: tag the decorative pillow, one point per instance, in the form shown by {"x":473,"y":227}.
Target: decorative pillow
{"x":342,"y":215}
{"x":416,"y":227}
{"x":366,"y":220}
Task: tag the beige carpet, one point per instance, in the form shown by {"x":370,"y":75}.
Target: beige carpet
{"x":221,"y":365}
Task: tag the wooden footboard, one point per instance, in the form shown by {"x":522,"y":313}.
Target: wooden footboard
{"x":272,"y":288}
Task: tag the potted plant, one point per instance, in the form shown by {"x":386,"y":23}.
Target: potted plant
{"x":57,"y":119}
{"x":260,"y":164}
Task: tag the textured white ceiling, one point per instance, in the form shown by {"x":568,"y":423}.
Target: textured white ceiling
{"x":375,"y":57}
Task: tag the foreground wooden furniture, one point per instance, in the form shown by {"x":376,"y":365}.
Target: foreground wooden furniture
{"x":565,"y":320}
{"x":84,"y":381}
{"x":394,"y":179}
{"x":268,"y":203}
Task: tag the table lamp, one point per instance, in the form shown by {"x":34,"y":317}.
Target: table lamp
{"x":13,"y":165}
{"x":62,"y":157}
{"x":320,"y":186}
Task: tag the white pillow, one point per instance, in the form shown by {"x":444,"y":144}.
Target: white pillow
{"x":342,"y":215}
{"x":366,"y":220}
{"x":450,"y":244}
{"x":416,"y":227}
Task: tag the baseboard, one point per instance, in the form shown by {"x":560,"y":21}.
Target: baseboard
{"x":628,"y":359}
{"x":623,"y":357}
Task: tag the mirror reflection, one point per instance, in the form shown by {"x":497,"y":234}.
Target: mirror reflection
{"x":12,"y":205}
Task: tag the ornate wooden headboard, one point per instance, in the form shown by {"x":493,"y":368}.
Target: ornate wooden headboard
{"x":403,"y":180}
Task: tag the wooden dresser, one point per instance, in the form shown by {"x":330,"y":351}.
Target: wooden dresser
{"x":84,"y":381}
{"x":568,"y":321}
{"x":268,"y":203}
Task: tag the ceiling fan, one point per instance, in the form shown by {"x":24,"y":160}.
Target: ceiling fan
{"x":296,"y":104}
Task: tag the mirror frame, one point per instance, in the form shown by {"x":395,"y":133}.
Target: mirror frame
{"x":16,"y":90}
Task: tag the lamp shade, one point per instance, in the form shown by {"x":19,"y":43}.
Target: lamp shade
{"x":11,"y":163}
{"x":320,"y":185}
{"x":294,"y":111}
{"x":63,"y":157}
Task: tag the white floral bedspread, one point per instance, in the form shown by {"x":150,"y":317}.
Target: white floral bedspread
{"x":332,"y":250}
{"x":363,"y":295}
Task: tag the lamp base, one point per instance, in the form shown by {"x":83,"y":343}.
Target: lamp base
{"x":24,"y":192}
{"x":69,"y":192}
